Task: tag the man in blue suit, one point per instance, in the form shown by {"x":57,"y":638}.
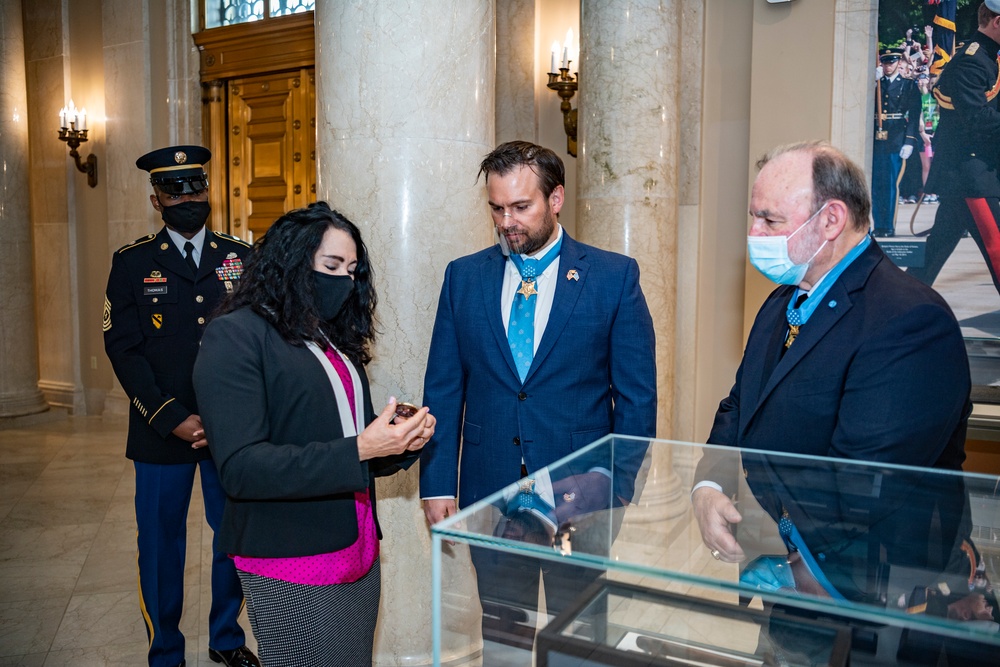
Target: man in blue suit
{"x":849,"y":358}
{"x":541,"y":346}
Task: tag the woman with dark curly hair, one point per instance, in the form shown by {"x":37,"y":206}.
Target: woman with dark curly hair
{"x":285,"y":400}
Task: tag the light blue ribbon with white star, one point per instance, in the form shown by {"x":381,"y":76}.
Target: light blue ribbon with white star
{"x":521,"y":325}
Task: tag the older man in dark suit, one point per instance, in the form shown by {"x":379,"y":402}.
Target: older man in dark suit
{"x":849,"y":358}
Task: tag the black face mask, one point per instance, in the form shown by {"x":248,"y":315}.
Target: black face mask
{"x":187,"y":217}
{"x":332,"y":292}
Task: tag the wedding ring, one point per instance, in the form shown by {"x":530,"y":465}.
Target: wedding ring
{"x":716,"y":555}
{"x":569,"y":497}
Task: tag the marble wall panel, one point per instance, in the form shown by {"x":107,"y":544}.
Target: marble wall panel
{"x":124,"y":21}
{"x":855,"y":31}
{"x":127,"y":101}
{"x":44,"y":21}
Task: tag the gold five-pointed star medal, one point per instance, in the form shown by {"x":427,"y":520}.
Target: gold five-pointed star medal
{"x":527,"y":288}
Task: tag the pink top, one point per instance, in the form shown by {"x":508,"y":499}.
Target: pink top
{"x":340,"y":567}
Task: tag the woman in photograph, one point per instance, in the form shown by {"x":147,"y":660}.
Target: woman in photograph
{"x":288,"y":414}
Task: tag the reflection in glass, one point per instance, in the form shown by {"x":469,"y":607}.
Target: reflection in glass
{"x":905,"y":558}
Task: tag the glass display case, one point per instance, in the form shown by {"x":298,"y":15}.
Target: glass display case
{"x":599,"y":560}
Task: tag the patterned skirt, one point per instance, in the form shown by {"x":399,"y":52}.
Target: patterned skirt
{"x":313,"y":626}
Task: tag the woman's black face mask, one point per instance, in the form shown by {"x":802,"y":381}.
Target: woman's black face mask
{"x":332,"y":292}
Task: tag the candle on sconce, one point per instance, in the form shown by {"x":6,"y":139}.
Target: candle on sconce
{"x":569,"y":41}
{"x":83,"y":119}
{"x":62,"y":118}
{"x":555,"y":48}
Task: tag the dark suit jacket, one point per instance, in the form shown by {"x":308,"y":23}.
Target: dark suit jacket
{"x":275,"y":433}
{"x":879,"y":373}
{"x":967,"y":141}
{"x":154,"y":315}
{"x":594,"y":373}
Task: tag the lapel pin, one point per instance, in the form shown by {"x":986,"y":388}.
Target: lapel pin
{"x":572,"y":275}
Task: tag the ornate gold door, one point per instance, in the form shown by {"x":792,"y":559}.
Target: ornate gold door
{"x":272,"y":148}
{"x":258,"y":119}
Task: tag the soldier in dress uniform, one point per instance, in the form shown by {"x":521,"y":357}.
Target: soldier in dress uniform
{"x":161,"y":291}
{"x":965,"y":172}
{"x":897,"y":133}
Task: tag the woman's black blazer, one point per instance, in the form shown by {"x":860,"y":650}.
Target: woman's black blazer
{"x":275,"y":434}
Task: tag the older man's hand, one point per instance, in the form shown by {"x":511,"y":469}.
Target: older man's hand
{"x":715,"y":513}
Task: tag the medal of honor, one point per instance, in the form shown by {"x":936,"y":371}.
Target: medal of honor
{"x":527,"y":288}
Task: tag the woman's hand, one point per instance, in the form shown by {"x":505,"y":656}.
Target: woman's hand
{"x":384,"y":438}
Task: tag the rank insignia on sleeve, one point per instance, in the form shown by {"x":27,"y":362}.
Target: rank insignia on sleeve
{"x":231,"y":269}
{"x":107,"y":313}
{"x":155,"y":277}
{"x":157,"y":320}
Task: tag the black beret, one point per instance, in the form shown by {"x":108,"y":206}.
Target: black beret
{"x":177,"y":170}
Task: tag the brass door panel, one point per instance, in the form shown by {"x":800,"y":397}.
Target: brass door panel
{"x":272,"y":148}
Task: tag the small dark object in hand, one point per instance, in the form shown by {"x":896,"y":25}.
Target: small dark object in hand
{"x":406,"y":410}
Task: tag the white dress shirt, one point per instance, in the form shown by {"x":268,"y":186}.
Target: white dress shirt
{"x":545,"y":285}
{"x":198,"y":241}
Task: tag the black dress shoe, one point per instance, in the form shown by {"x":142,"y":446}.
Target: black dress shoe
{"x":237,"y":657}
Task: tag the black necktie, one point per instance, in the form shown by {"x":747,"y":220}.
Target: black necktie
{"x":189,"y":257}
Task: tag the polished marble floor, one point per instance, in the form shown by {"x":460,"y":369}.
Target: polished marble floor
{"x":68,"y":575}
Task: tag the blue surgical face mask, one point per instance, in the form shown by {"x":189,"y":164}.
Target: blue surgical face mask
{"x":769,"y":255}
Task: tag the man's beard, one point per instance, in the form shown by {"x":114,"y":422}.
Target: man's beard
{"x":533,"y":242}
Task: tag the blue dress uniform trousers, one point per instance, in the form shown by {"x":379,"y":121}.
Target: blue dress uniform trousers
{"x":162,"y":497}
{"x":885,"y":177}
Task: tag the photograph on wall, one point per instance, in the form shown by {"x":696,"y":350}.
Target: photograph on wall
{"x":936,"y":164}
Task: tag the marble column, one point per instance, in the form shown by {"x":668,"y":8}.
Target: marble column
{"x":19,"y":393}
{"x":405,"y":103}
{"x":515,"y":90}
{"x":627,"y":171}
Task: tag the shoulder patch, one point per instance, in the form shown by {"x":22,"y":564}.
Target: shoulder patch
{"x":234,"y":239}
{"x":971,"y":51}
{"x":137,"y":242}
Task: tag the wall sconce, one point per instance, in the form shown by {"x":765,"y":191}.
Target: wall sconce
{"x":73,"y":130}
{"x":565,"y":86}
